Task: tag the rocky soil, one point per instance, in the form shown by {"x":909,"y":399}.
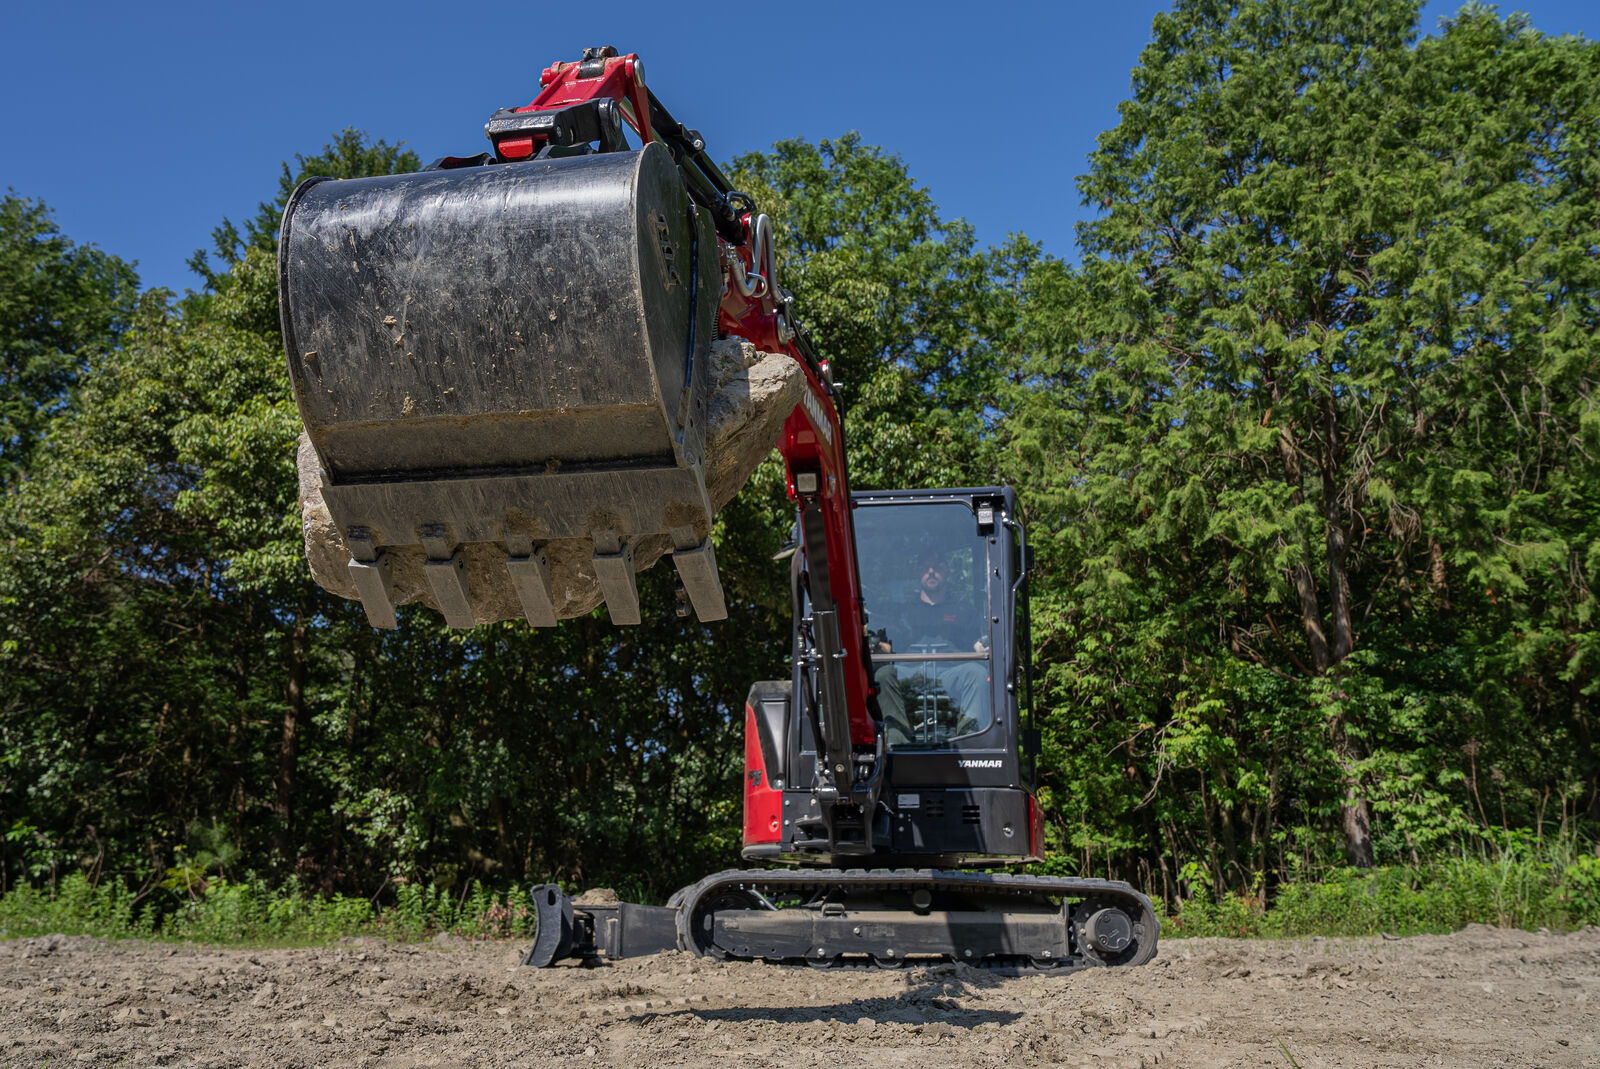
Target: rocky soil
{"x":1482,"y":997}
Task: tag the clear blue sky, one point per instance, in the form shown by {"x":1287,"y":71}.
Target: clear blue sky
{"x":143,"y":125}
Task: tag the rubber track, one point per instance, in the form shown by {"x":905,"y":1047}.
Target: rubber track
{"x":993,"y":888}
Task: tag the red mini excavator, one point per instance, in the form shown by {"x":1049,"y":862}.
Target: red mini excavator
{"x":503,"y":364}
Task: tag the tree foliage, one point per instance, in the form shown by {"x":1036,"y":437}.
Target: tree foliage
{"x":193,"y":682}
{"x":909,"y":313}
{"x":60,"y":304}
{"x":1307,"y":442}
{"x":1326,"y":383}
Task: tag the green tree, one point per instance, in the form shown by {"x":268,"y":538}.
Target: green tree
{"x":899,"y":302}
{"x":242,"y":445}
{"x":171,"y":667}
{"x":60,"y":303}
{"x":1317,"y":417}
{"x":153,"y":610}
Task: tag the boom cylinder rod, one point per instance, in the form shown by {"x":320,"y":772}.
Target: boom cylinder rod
{"x":833,"y":716}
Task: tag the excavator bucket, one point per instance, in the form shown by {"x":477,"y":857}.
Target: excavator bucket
{"x":503,"y":375}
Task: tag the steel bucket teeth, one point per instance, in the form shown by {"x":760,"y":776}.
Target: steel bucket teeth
{"x":501,"y":369}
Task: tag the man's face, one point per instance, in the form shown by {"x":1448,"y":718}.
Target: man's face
{"x":932,"y":576}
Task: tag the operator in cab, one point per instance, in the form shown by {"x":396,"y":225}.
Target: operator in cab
{"x":927,"y":696}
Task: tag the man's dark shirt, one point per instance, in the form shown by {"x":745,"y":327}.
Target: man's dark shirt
{"x":954,"y":624}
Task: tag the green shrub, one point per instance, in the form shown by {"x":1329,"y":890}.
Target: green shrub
{"x":77,"y":907}
{"x":1581,"y":890}
{"x":1511,"y":887}
{"x":1515,"y":886}
{"x":219,"y":910}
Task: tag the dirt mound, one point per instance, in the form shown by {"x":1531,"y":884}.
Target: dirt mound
{"x":597,"y":896}
{"x":1478,"y":998}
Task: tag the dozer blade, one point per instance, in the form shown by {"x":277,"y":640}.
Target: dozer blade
{"x":503,"y":375}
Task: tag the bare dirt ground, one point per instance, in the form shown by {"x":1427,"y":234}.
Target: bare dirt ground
{"x":1482,"y":997}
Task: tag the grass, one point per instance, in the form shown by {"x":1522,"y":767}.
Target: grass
{"x":1508,"y":890}
{"x":249,"y":911}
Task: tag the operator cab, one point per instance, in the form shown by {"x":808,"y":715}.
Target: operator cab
{"x":944,"y":579}
{"x":924,"y":567}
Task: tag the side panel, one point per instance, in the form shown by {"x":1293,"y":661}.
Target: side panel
{"x":973,"y":823}
{"x":763,"y":803}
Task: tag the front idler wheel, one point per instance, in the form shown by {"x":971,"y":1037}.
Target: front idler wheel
{"x":698,"y":932}
{"x":1107,"y":935}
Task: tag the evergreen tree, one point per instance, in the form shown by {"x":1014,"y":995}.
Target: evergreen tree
{"x":1318,"y":407}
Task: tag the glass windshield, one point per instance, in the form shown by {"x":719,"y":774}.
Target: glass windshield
{"x":922,"y":574}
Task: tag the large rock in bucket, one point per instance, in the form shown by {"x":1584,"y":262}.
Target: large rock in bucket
{"x":752,"y":394}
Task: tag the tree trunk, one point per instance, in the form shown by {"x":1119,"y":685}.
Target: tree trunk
{"x":1338,"y":575}
{"x":1326,"y":656}
{"x":289,"y":740}
{"x":1436,"y":574}
{"x":1301,"y":575}
{"x":1355,"y":813}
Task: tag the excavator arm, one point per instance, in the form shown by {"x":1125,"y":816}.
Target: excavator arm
{"x":504,"y":367}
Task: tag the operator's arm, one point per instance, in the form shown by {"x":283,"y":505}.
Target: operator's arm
{"x":980,"y":644}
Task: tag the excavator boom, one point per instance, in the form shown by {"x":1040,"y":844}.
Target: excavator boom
{"x":512,"y":393}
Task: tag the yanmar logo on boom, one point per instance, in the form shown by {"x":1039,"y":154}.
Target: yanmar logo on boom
{"x":976,"y":762}
{"x":819,"y":418}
